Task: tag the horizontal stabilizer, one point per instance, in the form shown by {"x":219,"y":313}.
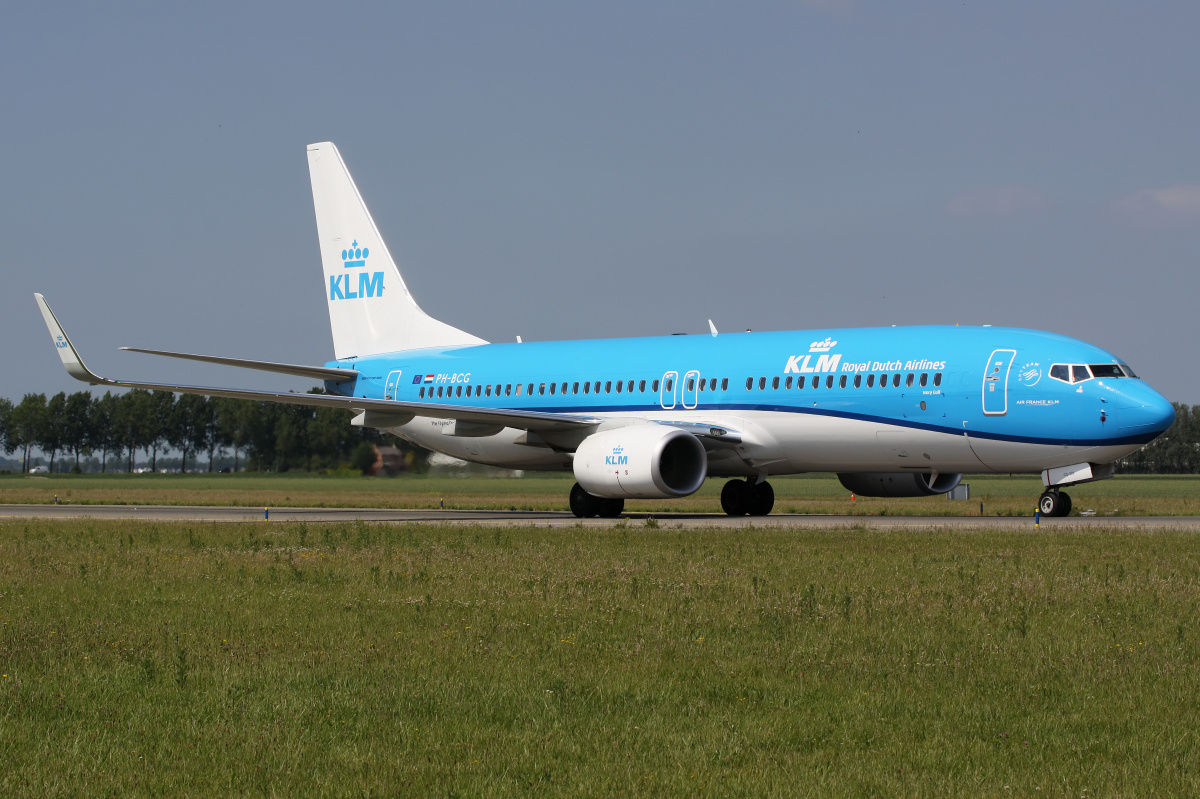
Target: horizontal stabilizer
{"x":315,"y":372}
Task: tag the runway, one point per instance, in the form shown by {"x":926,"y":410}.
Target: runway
{"x":565,"y":519}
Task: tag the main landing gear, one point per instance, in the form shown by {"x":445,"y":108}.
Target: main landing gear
{"x":1055,"y":503}
{"x":585,"y":505}
{"x":747,"y":498}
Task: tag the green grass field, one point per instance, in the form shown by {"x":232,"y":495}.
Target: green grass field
{"x":1126,"y":495}
{"x":265,"y":659}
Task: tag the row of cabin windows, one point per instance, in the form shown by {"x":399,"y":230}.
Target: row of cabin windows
{"x":587,"y":387}
{"x":844,"y":380}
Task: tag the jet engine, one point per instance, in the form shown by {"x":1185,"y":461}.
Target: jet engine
{"x":899,"y":484}
{"x":646,"y":461}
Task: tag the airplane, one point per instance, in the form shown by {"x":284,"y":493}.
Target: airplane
{"x":892,"y":411}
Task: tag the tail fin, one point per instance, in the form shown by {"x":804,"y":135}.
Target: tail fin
{"x":370,"y":309}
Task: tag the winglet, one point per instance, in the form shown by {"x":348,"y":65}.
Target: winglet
{"x":66,"y":350}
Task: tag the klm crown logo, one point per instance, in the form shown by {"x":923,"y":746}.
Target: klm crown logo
{"x":370,"y":284}
{"x":822,"y":346}
{"x":355,"y":256}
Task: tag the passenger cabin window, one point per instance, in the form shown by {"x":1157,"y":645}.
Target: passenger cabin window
{"x":507,"y":389}
{"x":520,"y":389}
{"x":749,"y":383}
{"x":896,"y":380}
{"x":924,"y":378}
{"x":883,"y":380}
{"x":552,"y":387}
{"x":800,"y":381}
{"x":829,"y":382}
{"x":937,"y":378}
{"x":871,"y":380}
{"x":564,"y":388}
{"x":642,"y":386}
{"x":775,"y":383}
{"x":858,"y":381}
{"x":654,"y":386}
{"x":670,"y":386}
{"x":762,"y":383}
{"x":788,"y":383}
{"x":908,"y":381}
{"x":620,"y":385}
{"x":842,"y":381}
{"x":608,"y":387}
{"x":587,"y":387}
{"x":596,"y":387}
{"x":724,"y":383}
{"x":575,"y":387}
{"x":421,"y":393}
{"x":629,"y":387}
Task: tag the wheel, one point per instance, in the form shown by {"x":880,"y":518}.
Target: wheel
{"x":763,"y":498}
{"x":1066,"y":499}
{"x":609,"y":508}
{"x":583,"y":504}
{"x":1052,"y":503}
{"x":735,"y":498}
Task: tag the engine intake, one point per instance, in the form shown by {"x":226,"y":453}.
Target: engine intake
{"x":899,"y":484}
{"x":646,"y":461}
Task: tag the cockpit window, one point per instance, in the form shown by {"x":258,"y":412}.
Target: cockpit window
{"x":1128,"y":371}
{"x":1078,"y":373}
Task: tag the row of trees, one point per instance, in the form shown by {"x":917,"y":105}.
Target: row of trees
{"x":1176,"y":451}
{"x":266,"y":436}
{"x":271,"y":437}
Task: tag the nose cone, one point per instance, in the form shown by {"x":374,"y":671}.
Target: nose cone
{"x":1144,"y":410}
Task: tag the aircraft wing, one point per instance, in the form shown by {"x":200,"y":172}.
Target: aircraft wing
{"x":315,"y":372}
{"x":386,"y":413}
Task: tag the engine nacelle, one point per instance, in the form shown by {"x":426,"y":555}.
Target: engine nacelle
{"x":645,"y":461}
{"x":899,"y":484}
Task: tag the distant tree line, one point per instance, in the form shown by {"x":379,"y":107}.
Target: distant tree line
{"x":261,"y":436}
{"x":1176,"y":451}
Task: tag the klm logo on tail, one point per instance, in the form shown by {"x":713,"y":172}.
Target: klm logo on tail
{"x":370,"y":284}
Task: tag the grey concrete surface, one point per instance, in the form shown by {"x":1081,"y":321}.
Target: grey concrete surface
{"x":565,"y":519}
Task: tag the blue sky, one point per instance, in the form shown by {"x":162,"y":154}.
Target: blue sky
{"x":576,"y":170}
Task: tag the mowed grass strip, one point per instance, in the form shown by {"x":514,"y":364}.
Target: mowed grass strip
{"x":1125,"y":495}
{"x":154,"y":658}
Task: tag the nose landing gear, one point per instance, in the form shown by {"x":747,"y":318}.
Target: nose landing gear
{"x":1055,"y":503}
{"x":746,"y":498}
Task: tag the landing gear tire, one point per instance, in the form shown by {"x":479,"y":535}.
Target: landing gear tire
{"x":736,"y":498}
{"x":610,"y":508}
{"x":1055,"y":503}
{"x":763,"y":499}
{"x":585,"y":505}
{"x":745,"y":498}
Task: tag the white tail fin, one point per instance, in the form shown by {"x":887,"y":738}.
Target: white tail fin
{"x":370,"y":309}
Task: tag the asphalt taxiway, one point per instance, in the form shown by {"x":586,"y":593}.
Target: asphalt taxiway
{"x":564,"y":519}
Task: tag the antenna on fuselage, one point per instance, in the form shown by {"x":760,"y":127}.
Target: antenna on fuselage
{"x":712,"y":328}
